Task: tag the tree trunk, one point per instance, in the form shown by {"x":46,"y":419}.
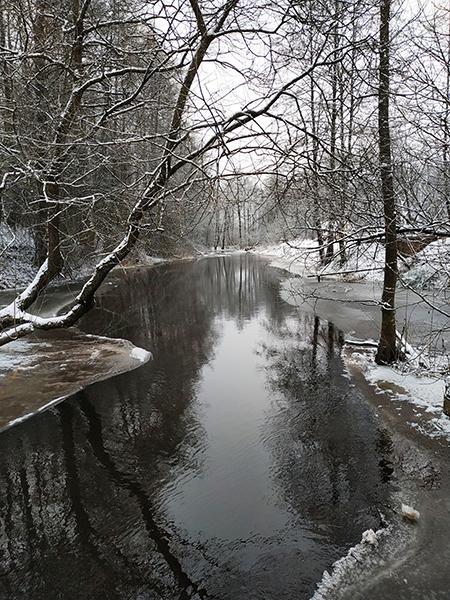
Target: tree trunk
{"x":239,"y":223}
{"x":329,"y":255}
{"x":387,"y":347}
{"x":332,"y":207}
{"x":55,"y":258}
{"x":446,"y":130}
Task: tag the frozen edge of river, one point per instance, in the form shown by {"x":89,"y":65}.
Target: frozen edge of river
{"x":424,"y":393}
{"x":350,"y":571}
{"x":365,"y":565}
{"x":405,"y":382}
{"x":28,"y":364}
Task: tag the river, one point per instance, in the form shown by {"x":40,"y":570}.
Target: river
{"x":237,"y":464}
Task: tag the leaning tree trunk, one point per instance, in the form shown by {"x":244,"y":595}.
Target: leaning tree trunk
{"x":387,"y":347}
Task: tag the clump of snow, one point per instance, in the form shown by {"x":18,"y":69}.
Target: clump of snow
{"x":369,"y":537}
{"x":410,"y":514}
{"x":140,"y":354}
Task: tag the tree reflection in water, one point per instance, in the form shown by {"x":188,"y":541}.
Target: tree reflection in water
{"x":93,"y":492}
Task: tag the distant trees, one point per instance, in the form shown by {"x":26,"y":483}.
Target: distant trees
{"x":109,"y":123}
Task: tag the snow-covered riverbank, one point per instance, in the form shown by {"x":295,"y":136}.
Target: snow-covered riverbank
{"x":429,"y":268}
{"x":351,"y":302}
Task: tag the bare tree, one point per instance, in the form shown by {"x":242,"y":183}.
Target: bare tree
{"x":192,"y":31}
{"x":387,"y":347}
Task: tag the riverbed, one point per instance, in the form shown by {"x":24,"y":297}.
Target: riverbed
{"x":239,"y":463}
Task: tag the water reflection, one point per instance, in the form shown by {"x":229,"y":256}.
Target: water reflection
{"x":238,"y":464}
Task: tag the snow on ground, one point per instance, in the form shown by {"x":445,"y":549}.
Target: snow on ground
{"x":298,"y":256}
{"x":425,"y":393}
{"x":428,"y":268}
{"x":301,"y":257}
{"x":365,"y":261}
{"x":431,"y":266}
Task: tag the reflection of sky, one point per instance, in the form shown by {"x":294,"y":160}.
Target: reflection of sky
{"x":232,"y":496}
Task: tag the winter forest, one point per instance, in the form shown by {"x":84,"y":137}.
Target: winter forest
{"x":164,"y":167}
{"x":137,"y":126}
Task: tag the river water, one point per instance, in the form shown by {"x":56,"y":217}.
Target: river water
{"x":238,"y":464}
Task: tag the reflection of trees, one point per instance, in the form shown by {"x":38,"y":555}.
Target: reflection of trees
{"x":79,"y":484}
{"x":130,"y":483}
{"x":233,"y":286}
{"x":331,"y":461}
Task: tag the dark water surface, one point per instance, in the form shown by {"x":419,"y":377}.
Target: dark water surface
{"x":238,"y":464}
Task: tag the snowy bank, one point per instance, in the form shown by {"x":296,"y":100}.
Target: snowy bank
{"x":298,"y":256}
{"x":429,"y":268}
{"x":405,"y":384}
{"x":301,"y":257}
